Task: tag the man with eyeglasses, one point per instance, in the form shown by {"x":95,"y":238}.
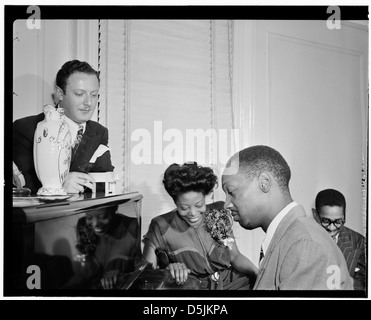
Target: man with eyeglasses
{"x":330,"y":213}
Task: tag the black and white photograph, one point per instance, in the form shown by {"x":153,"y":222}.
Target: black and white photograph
{"x":186,"y":151}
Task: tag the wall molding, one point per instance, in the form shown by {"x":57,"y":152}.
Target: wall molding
{"x":85,"y":44}
{"x":86,"y":41}
{"x":243,"y":79}
{"x":356,"y":24}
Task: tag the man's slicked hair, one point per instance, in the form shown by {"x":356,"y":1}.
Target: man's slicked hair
{"x":257,"y":159}
{"x":71,"y":67}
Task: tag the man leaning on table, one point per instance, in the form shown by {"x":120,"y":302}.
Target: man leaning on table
{"x":76,"y":89}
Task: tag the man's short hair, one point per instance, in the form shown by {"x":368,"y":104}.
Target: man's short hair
{"x":257,"y":159}
{"x":71,"y":67}
{"x":330,"y":197}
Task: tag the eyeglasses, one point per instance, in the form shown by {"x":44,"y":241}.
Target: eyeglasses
{"x":337,"y":223}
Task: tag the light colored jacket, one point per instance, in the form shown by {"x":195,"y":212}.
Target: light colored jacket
{"x":302,"y":256}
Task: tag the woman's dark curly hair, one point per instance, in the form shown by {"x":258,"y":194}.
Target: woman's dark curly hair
{"x":188,"y":177}
{"x":87,"y":240}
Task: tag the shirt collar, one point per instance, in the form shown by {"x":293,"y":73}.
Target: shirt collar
{"x":274,"y":224}
{"x":74,"y":127}
{"x":337,"y":237}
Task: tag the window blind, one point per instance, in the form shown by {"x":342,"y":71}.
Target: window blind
{"x":166,"y":96}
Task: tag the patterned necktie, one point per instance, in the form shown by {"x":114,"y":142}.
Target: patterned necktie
{"x":78,"y":139}
{"x":261,"y":254}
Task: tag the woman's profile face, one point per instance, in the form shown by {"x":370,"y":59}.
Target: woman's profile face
{"x":99,"y":220}
{"x":191,"y":205}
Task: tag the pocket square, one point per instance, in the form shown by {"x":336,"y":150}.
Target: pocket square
{"x":100,"y":150}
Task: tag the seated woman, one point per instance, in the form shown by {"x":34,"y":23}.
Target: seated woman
{"x":109,"y":244}
{"x":181,"y":233}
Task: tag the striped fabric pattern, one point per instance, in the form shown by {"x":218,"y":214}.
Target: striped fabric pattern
{"x":352,"y":245}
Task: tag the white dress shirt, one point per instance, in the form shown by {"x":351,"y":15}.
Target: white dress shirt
{"x":336,"y":238}
{"x":74,"y":127}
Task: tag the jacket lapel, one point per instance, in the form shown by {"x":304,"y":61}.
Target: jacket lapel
{"x":346,"y":246}
{"x":291,"y":216}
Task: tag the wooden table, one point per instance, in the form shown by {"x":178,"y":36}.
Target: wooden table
{"x":46,"y":226}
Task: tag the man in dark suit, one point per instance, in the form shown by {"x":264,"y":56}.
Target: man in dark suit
{"x":330,"y":213}
{"x":297,"y":254}
{"x":77,"y":86}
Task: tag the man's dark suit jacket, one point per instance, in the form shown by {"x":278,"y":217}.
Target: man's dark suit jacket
{"x":23,"y":135}
{"x":352,"y":245}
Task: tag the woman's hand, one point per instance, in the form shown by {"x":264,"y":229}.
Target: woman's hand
{"x":179,"y":272}
{"x":109,"y":279}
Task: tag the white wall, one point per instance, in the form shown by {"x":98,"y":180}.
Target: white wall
{"x":302,"y":89}
{"x":38,"y":54}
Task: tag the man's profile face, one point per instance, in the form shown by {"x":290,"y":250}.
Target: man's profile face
{"x":332,"y":218}
{"x":242,"y":198}
{"x":80,"y":97}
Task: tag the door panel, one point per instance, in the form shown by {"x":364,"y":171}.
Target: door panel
{"x":307,"y":98}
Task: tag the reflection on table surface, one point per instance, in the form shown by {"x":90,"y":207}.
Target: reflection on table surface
{"x":44,"y":231}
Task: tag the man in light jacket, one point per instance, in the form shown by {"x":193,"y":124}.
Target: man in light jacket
{"x":297,"y":253}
